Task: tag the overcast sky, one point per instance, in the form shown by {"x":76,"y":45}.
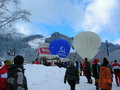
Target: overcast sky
{"x":70,"y":17}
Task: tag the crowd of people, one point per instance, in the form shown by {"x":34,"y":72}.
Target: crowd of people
{"x":102,"y":73}
{"x":12,"y":75}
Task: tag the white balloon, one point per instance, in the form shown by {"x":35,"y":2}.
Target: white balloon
{"x":87,"y":44}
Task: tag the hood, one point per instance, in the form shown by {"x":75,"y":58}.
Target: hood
{"x":12,"y":67}
{"x":103,"y":67}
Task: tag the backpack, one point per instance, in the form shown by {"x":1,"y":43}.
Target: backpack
{"x":12,"y":79}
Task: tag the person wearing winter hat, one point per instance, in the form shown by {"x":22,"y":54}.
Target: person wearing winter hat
{"x":105,"y":62}
{"x":105,"y":81}
{"x":7,"y":62}
{"x":96,"y":70}
{"x":3,"y":74}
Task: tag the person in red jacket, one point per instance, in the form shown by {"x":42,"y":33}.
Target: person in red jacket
{"x":83,"y":66}
{"x":37,"y":61}
{"x":3,"y":74}
{"x":116,"y":68}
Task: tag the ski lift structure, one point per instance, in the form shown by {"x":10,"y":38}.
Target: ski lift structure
{"x":11,"y":52}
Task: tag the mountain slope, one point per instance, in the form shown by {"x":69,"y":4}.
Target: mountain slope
{"x":27,"y":46}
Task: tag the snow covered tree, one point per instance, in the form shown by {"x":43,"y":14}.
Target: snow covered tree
{"x":10,"y":12}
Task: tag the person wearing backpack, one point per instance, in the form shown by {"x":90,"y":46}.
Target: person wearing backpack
{"x":3,"y":74}
{"x":71,"y":75}
{"x":16,"y":79}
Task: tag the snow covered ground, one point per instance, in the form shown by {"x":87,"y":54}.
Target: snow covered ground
{"x":36,"y":42}
{"x":40,"y":77}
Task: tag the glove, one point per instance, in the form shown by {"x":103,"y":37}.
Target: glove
{"x":65,"y":81}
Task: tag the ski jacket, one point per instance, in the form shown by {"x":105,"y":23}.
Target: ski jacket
{"x":36,"y":62}
{"x":71,"y":74}
{"x":16,"y":79}
{"x":87,"y":66}
{"x":3,"y":76}
{"x":96,"y":70}
{"x":105,"y":81}
{"x":116,"y":67}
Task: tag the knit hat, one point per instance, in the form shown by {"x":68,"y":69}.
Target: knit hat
{"x":19,"y":60}
{"x":95,"y":61}
{"x":86,"y":59}
{"x":105,"y":62}
{"x":7,"y":62}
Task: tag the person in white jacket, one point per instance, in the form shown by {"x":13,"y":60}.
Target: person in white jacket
{"x":116,"y":68}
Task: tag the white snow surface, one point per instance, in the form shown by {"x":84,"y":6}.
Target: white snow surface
{"x":40,"y":77}
{"x":36,"y":42}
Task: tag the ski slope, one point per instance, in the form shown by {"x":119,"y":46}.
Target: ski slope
{"x":40,"y":77}
{"x":36,"y":42}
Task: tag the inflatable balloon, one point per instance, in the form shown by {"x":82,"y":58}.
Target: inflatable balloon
{"x":87,"y":44}
{"x":59,"y":47}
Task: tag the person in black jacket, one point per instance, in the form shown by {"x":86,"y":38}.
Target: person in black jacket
{"x":96,"y":70}
{"x":88,"y":70}
{"x":71,"y":75}
{"x":16,"y":78}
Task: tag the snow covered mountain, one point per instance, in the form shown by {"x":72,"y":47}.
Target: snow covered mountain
{"x":36,"y":42}
{"x":27,"y":46}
